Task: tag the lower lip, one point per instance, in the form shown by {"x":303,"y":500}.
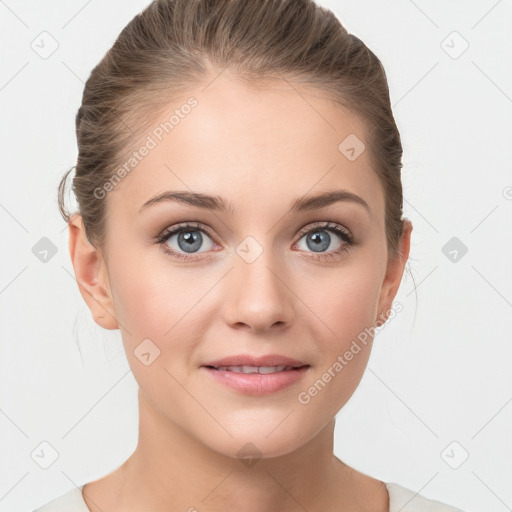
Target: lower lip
{"x":257,"y":383}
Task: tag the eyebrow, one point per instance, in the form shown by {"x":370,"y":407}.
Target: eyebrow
{"x":217,"y":203}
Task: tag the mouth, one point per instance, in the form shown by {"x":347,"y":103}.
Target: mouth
{"x":256,"y":376}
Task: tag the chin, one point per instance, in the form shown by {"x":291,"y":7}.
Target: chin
{"x":260,"y":443}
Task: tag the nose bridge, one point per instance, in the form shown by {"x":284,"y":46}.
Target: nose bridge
{"x":257,"y":295}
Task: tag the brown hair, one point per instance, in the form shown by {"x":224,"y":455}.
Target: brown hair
{"x":173,"y":45}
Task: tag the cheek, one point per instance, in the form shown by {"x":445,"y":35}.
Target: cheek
{"x":344,"y":301}
{"x":141,"y":305}
{"x":155,"y":310}
{"x":346,"y":312}
{"x":148,"y":293}
{"x":155,"y":301}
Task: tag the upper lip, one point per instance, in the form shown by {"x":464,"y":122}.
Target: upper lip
{"x":248,"y":360}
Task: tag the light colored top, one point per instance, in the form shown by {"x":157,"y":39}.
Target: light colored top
{"x":401,"y":499}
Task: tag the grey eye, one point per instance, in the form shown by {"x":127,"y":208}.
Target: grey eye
{"x":189,"y":240}
{"x":318,"y":240}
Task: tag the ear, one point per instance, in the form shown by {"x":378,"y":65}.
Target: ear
{"x":91,"y":275}
{"x":394,"y":272}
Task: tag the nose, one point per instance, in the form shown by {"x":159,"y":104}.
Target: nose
{"x":258,"y":297}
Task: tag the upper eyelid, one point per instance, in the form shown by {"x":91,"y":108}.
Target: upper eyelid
{"x":327,"y":225}
{"x":183,"y":226}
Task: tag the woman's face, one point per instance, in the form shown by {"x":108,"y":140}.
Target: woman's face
{"x":269,"y":274}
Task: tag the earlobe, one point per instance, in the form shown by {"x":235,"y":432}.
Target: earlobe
{"x":91,"y":275}
{"x":394,"y":273}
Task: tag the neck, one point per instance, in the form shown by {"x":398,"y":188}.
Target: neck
{"x":171,"y":470}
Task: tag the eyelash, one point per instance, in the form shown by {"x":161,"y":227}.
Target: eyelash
{"x":349,"y":241}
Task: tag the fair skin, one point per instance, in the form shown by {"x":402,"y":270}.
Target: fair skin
{"x":260,"y":149}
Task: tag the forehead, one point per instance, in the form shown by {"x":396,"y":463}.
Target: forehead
{"x":254,"y":145}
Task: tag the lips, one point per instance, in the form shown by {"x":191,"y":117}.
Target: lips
{"x":252,"y":375}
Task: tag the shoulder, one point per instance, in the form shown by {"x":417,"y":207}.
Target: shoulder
{"x":72,"y":501}
{"x":405,"y":500}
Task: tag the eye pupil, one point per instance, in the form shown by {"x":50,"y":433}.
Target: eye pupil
{"x":193,"y":240}
{"x":320,"y":239}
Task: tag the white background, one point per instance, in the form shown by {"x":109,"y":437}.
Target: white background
{"x":439,"y":372}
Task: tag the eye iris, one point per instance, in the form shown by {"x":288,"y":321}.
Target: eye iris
{"x":320,"y":240}
{"x":191,"y":240}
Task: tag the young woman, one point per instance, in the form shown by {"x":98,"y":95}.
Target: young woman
{"x":240,"y":222}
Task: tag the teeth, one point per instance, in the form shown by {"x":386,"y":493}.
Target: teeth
{"x":255,"y":369}
{"x":271,"y":369}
